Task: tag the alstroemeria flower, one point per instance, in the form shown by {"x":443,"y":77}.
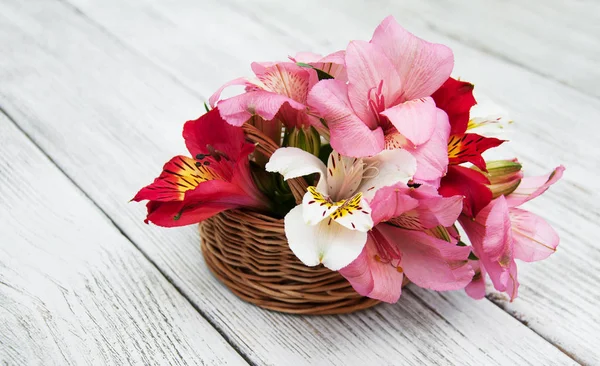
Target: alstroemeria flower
{"x":456,"y":99}
{"x":501,"y":233}
{"x":215,"y":179}
{"x":400,"y":245}
{"x":387,"y":98}
{"x":279,"y":91}
{"x":331,"y":224}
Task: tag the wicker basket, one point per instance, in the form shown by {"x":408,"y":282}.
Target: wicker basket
{"x":249,"y":253}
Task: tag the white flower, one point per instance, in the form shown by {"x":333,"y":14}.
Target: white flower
{"x":331,"y":224}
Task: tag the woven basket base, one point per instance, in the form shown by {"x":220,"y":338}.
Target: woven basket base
{"x":248,"y":252}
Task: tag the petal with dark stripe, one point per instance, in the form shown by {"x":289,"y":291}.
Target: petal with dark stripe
{"x":179,"y":175}
{"x":469,"y":147}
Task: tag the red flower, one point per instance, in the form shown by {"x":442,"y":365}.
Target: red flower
{"x":217,"y":178}
{"x":455,"y":97}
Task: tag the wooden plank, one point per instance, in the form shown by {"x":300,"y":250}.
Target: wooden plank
{"x":555,"y":39}
{"x":550,"y":303}
{"x":108,"y":117}
{"x":73,"y":289}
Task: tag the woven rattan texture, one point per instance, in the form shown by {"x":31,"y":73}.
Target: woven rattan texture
{"x":249,"y":253}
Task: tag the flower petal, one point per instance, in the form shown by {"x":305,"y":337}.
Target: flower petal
{"x":370,"y":75}
{"x":211,"y":130}
{"x":344,"y":175}
{"x":292,"y":162}
{"x":330,"y":99}
{"x":476,"y":289}
{"x":237,"y":110}
{"x":217,"y":95}
{"x":430,"y":262}
{"x":179,"y":175}
{"x":317,"y":207}
{"x":415,"y":208}
{"x":358,"y":273}
{"x":206,"y":200}
{"x":387,"y":168}
{"x":286,"y":78}
{"x":392,"y":201}
{"x":534,"y":239}
{"x":432,"y":156}
{"x":490,"y":235}
{"x":354,"y":213}
{"x":531,"y":187}
{"x":327,"y":242}
{"x":371,"y":277}
{"x":306,"y":57}
{"x":433,"y":210}
{"x":423,"y":67}
{"x":456,"y":99}
{"x":469,"y":147}
{"x":439,"y":211}
{"x":468,"y":183}
{"x":414,"y":119}
{"x":489,"y":119}
{"x":216,"y":144}
{"x":175,"y":214}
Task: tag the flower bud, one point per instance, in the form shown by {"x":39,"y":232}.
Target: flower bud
{"x":504,"y":175}
{"x":305,"y":138}
{"x":501,"y":171}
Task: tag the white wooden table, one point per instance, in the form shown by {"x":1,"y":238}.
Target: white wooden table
{"x":93,"y":94}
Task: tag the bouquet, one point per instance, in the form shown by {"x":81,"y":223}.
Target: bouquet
{"x":389,"y":147}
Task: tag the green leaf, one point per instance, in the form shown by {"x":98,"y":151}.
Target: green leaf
{"x":206,"y":107}
{"x":473,"y":257}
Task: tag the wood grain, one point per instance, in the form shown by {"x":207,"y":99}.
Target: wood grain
{"x":73,"y":290}
{"x":109,"y":117}
{"x":554,"y":122}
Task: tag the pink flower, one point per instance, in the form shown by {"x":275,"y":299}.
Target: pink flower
{"x":215,"y":179}
{"x":279,"y":91}
{"x":386,"y":102}
{"x":399,"y":245}
{"x":501,"y":233}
